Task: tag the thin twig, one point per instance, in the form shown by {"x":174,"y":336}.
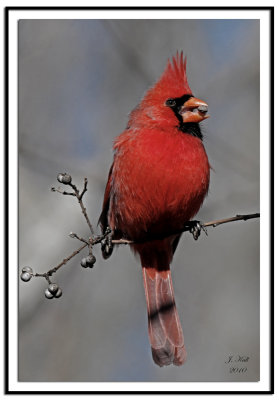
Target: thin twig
{"x":98,"y":239}
{"x":90,"y":249}
{"x":58,"y":190}
{"x":75,"y":236}
{"x":236,"y":218}
{"x":49,"y":273}
{"x":188,"y":227}
{"x":84,"y":188}
{"x":83,"y":209}
{"x":74,"y":187}
{"x":84,"y":212}
{"x":44,"y":275}
{"x":122,"y":241}
{"x":79,"y":198}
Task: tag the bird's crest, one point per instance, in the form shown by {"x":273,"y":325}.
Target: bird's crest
{"x":174,"y":78}
{"x":172,"y":84}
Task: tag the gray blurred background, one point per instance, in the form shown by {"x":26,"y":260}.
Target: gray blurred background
{"x":78,"y":80}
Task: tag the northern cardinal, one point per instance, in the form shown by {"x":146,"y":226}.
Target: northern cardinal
{"x":157,"y":182}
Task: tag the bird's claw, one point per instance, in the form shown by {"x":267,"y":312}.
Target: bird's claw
{"x":195,"y":228}
{"x":106,"y":243}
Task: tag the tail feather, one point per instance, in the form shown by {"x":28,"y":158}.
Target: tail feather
{"x":164,"y":328}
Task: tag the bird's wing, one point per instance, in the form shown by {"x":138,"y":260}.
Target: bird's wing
{"x":103,"y":220}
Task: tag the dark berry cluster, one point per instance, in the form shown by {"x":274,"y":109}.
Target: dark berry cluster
{"x":88,"y":262}
{"x":26,"y":274}
{"x":53,"y":290}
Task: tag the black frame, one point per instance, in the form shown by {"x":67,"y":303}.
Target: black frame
{"x":6,"y":201}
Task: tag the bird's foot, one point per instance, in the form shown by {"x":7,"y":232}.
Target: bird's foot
{"x":195,"y":228}
{"x":106,"y":243}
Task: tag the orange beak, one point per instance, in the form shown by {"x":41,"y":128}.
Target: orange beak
{"x":194,"y":110}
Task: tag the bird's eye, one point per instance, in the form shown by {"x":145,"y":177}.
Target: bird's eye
{"x":171,"y":103}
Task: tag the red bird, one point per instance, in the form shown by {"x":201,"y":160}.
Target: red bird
{"x":157,"y":182}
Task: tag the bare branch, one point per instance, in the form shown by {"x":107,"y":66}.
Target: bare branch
{"x":106,"y":239}
{"x":188,"y":227}
{"x":58,"y":190}
{"x":75,"y":236}
{"x":49,"y":273}
{"x":83,"y":209}
{"x":84,"y":188}
{"x":122,"y":241}
{"x":67,"y":180}
{"x":236,"y":218}
{"x":84,"y":212}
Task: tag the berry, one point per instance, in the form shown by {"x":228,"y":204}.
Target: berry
{"x":53,"y":288}
{"x":58,"y":293}
{"x":67,"y":179}
{"x":25,"y":276}
{"x":64,"y":178}
{"x":48,"y":294}
{"x":90,"y":260}
{"x":27,"y":269}
{"x":60,"y":178}
{"x":83,"y":263}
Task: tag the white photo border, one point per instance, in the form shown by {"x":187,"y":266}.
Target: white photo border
{"x":266,"y":17}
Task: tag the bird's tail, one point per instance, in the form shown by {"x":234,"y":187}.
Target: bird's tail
{"x":164,"y":328}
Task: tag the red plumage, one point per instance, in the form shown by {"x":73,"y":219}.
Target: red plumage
{"x":158,"y":181}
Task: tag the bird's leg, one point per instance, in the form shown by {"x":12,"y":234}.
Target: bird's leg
{"x":106,"y":243}
{"x":195,"y":228}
